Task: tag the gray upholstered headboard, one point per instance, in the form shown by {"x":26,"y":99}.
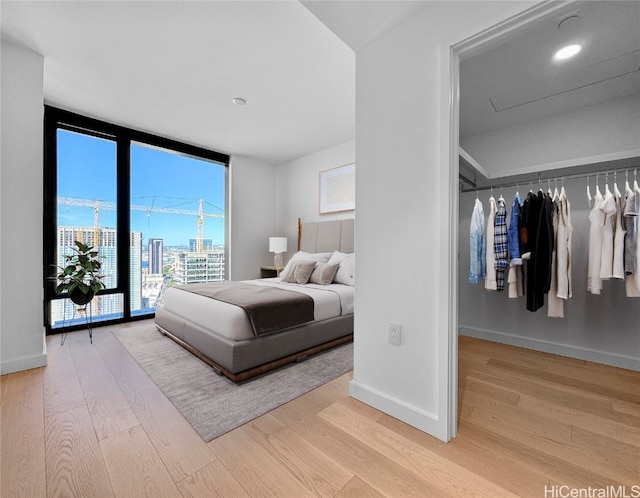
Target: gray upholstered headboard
{"x":326,"y":236}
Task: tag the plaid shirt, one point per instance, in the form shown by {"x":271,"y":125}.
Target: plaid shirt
{"x":501,"y":243}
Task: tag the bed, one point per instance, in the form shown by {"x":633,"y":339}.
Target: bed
{"x":243,"y":340}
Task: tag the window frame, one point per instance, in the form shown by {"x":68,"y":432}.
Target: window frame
{"x":55,"y":119}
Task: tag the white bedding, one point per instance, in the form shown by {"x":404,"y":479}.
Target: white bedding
{"x":231,"y":321}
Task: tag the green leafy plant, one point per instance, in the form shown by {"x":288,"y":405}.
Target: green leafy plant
{"x":80,"y":271}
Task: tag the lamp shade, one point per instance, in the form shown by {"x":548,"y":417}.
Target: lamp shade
{"x":277,"y":244}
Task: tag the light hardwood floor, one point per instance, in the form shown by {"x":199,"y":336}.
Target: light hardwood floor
{"x":92,"y":423}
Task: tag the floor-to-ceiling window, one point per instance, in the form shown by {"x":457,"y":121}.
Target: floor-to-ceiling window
{"x":177,"y":217}
{"x":152,"y":207}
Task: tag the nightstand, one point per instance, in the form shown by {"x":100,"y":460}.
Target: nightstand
{"x":270,"y":271}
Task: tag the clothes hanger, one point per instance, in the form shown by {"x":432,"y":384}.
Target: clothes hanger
{"x":616,"y":190}
{"x":635,"y":180}
{"x":588,"y":192}
{"x":501,"y":198}
{"x":597,"y":187}
{"x":539,"y":183}
{"x":627,"y":187}
{"x":606,"y":184}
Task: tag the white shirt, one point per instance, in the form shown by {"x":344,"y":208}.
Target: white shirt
{"x":596,"y":216}
{"x":608,"y":207}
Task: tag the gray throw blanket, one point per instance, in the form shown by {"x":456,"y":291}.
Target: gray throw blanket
{"x":268,"y":308}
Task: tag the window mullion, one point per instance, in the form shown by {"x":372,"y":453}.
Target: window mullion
{"x":124,"y":221}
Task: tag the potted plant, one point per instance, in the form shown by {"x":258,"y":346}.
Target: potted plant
{"x":79,"y":277}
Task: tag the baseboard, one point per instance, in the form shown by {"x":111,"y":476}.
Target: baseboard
{"x":24,"y":363}
{"x":411,"y":415}
{"x":611,"y":359}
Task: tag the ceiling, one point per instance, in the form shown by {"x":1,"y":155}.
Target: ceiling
{"x":357,"y":22}
{"x":517,"y":80}
{"x":172,"y":68}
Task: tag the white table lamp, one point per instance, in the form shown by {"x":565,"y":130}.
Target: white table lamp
{"x":278,"y":245}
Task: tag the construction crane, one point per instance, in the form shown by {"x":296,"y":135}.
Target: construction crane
{"x":97,"y":204}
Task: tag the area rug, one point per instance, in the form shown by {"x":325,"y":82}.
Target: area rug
{"x":213,"y":404}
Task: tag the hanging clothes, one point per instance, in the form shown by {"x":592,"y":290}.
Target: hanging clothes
{"x":530,"y":217}
{"x":538,"y":238}
{"x":636,"y":191}
{"x":618,"y":237}
{"x":608,"y":207}
{"x":631,"y":229}
{"x":490,"y":282}
{"x":596,"y":217}
{"x":515,"y":277}
{"x":544,"y":245}
{"x":555,"y":305}
{"x":632,"y":241}
{"x":563,"y":250}
{"x":500,"y":244}
{"x":513,"y":234}
{"x":477,"y":254}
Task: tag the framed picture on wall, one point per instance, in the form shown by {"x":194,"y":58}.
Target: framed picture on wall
{"x":338,"y":189}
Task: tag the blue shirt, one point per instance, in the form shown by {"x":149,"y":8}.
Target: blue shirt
{"x":514,"y":231}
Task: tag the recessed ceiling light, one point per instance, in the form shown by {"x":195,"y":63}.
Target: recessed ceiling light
{"x":239,"y":101}
{"x":567,"y":52}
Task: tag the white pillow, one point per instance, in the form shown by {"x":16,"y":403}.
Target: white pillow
{"x":300,"y":272}
{"x":318,"y":257}
{"x":346,"y":273}
{"x":323,"y":273}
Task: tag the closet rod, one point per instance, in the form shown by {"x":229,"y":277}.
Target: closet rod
{"x":539,"y":178}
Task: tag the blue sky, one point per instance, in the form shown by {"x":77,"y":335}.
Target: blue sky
{"x":87,"y":170}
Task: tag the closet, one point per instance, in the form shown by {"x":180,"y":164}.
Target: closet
{"x":575,"y":131}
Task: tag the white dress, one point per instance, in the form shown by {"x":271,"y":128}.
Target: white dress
{"x":490,"y":282}
{"x":596,"y":217}
{"x":608,"y":207}
{"x":555,"y":305}
{"x":565,"y":232}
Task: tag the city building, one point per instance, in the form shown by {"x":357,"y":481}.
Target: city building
{"x":155,"y":256}
{"x":207,"y":245}
{"x":103,"y":239}
{"x":196,"y":267}
{"x":135,"y":273}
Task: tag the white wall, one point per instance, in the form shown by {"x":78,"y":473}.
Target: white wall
{"x":605,"y":128}
{"x":252,"y":187}
{"x":600,"y":328}
{"x":297,"y":189}
{"x":403,"y":194}
{"x":21,"y":321}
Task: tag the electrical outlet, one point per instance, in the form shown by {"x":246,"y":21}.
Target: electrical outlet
{"x":394,"y":333}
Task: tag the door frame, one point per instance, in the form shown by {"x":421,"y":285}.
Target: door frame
{"x":452,"y":54}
